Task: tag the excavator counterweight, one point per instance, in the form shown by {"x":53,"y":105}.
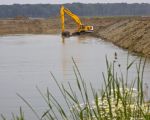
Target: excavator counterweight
{"x":81,"y":28}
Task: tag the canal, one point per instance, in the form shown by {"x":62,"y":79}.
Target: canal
{"x":27,"y":60}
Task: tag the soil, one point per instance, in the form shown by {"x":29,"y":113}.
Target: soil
{"x":132,"y":33}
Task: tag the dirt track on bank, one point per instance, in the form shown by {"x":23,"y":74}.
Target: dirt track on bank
{"x":132,"y":33}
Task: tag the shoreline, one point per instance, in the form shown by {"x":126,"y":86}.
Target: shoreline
{"x":131,"y":33}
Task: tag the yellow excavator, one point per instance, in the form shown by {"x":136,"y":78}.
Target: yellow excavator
{"x":81,"y":28}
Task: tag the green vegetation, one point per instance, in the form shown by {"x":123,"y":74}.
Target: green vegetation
{"x":49,"y":10}
{"x":118,"y":100}
{"x":20,"y":117}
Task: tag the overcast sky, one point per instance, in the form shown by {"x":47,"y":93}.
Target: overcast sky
{"x":70,"y":1}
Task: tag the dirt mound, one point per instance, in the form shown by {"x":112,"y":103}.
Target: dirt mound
{"x":29,"y":26}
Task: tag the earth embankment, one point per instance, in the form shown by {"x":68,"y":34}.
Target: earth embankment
{"x":132,"y":34}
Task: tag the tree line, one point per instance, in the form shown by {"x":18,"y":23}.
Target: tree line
{"x":49,"y":10}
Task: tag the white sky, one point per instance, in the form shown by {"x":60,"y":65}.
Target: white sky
{"x":70,"y":1}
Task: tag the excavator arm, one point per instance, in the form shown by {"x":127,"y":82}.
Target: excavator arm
{"x":81,"y":27}
{"x":62,"y":15}
{"x":73,"y":16}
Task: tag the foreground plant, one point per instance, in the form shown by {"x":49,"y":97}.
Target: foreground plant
{"x":19,"y":117}
{"x":120,"y":99}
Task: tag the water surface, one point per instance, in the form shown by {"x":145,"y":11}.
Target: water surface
{"x":27,"y":60}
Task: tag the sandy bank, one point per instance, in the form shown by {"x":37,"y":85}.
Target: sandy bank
{"x":132,"y":34}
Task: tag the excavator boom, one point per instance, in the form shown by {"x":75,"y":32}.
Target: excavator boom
{"x":81,"y":27}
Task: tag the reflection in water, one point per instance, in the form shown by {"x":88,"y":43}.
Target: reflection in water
{"x":63,"y":39}
{"x":26,"y":62}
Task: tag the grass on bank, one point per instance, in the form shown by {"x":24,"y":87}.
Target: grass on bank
{"x":120,"y":99}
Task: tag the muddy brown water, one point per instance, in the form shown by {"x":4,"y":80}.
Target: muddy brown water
{"x":27,"y":60}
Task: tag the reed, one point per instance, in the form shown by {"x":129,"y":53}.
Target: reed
{"x":120,"y":99}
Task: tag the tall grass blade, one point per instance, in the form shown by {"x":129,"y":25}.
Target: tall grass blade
{"x":35,"y":113}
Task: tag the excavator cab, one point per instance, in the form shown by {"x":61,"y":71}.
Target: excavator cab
{"x":81,"y":28}
{"x":84,"y":28}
